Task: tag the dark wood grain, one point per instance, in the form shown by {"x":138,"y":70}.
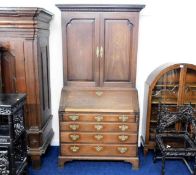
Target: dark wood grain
{"x":105,"y":127}
{"x":99,"y":49}
{"x":90,"y":150}
{"x":99,"y":102}
{"x":25,"y":68}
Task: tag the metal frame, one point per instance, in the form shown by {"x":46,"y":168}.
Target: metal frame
{"x":167,"y":118}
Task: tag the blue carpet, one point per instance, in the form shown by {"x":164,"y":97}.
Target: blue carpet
{"x":147,"y":167}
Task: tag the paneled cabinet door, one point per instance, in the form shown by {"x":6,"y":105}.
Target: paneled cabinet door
{"x":118,"y":48}
{"x":81,"y":52}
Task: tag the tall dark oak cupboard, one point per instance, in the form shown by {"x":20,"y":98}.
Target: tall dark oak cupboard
{"x":99,"y":110}
{"x":25,"y":68}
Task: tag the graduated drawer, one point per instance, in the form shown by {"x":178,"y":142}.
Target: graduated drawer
{"x":98,"y":150}
{"x":98,"y":137}
{"x":99,"y":117}
{"x":94,"y":127}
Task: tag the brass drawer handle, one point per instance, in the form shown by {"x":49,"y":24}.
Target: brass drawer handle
{"x":98,"y":127}
{"x":74,"y":137}
{"x":74,"y":149}
{"x":74,"y":127}
{"x":98,"y":148}
{"x":99,"y":118}
{"x":98,"y":137}
{"x":73,"y":117}
{"x":123,"y":118}
{"x":123,"y":137}
{"x":122,"y":150}
{"x":101,"y":52}
{"x":123,"y":127}
{"x":97,"y":52}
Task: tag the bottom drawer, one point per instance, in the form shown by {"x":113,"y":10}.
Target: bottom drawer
{"x":98,"y":150}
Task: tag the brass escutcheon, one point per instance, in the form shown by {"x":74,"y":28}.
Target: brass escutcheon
{"x":123,"y":137}
{"x":74,"y":148}
{"x":123,"y":127}
{"x":98,"y":148}
{"x":123,"y":118}
{"x":73,"y":117}
{"x":99,"y":93}
{"x":74,"y":137}
{"x":98,"y":127}
{"x":122,"y":150}
{"x":98,"y":137}
{"x":74,"y":127}
{"x":98,"y":118}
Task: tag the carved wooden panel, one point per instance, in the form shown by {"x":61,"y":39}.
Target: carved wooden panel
{"x":8,"y":72}
{"x":118,"y":39}
{"x":82,"y":41}
{"x":117,"y":50}
{"x":44,"y":79}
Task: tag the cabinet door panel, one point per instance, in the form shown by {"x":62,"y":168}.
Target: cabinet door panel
{"x":190,"y":86}
{"x":82,"y":40}
{"x":118,"y":40}
{"x":12,"y":66}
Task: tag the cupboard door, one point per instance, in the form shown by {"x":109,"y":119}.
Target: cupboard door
{"x":190,"y":86}
{"x":118,"y":49}
{"x":81,"y":33}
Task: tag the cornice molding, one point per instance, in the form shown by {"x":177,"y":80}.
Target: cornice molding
{"x":101,"y":7}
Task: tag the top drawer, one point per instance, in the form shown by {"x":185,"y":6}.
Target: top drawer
{"x":99,"y":117}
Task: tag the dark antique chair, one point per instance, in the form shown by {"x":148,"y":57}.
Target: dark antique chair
{"x":172,"y":143}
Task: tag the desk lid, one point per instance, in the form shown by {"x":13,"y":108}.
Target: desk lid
{"x":99,"y":100}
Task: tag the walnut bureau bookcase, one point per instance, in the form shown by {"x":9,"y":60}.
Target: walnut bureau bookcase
{"x":171,"y":84}
{"x":99,"y":109}
{"x":24,"y":61}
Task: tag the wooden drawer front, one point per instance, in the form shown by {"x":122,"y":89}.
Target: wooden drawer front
{"x":95,"y":127}
{"x":98,"y":137}
{"x":98,"y":150}
{"x":99,"y":117}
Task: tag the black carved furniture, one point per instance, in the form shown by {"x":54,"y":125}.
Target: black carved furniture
{"x":174,"y":144}
{"x":13,"y":149}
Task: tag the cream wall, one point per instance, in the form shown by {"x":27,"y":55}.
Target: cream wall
{"x":167,"y":34}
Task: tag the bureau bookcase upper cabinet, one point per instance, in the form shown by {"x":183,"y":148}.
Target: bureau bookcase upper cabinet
{"x":100,"y":47}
